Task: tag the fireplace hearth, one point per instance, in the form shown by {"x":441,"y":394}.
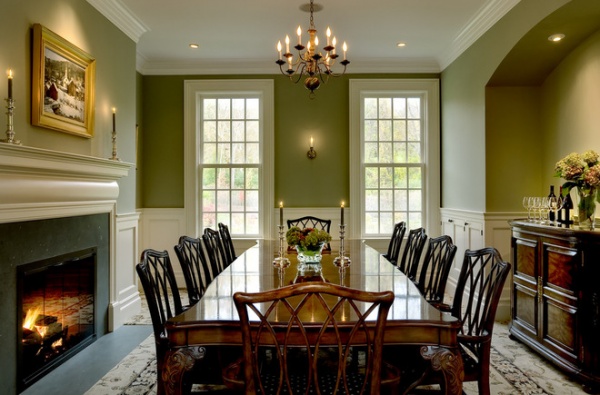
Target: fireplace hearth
{"x":55,"y":298}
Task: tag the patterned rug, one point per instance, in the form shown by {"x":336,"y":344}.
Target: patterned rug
{"x":515,"y":370}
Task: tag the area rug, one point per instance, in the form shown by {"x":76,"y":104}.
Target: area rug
{"x":515,"y":370}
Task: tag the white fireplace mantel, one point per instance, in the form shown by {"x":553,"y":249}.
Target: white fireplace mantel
{"x":40,"y":184}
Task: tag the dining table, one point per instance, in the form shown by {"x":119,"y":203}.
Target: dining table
{"x":412,"y":321}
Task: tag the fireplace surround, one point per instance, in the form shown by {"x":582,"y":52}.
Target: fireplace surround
{"x":53,"y":204}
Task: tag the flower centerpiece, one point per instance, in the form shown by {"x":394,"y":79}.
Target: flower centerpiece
{"x":308,"y":242}
{"x":582,"y":171}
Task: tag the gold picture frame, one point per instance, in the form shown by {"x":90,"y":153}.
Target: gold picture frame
{"x":63,"y":85}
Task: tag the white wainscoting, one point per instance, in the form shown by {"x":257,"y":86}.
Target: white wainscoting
{"x":125,"y":298}
{"x":474,"y":230}
{"x":160,"y":230}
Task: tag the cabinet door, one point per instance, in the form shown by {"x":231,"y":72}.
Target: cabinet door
{"x":525,"y":293}
{"x":560,"y":265}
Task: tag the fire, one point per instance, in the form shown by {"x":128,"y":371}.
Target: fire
{"x":30,"y":318}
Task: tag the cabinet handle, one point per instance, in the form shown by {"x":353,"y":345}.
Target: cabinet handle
{"x":450,"y":220}
{"x":466,"y":224}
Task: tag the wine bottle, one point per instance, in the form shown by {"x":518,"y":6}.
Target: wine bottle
{"x":567,"y":207}
{"x":551,"y":213}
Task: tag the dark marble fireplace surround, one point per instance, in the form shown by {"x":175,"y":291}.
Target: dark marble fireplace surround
{"x":31,"y":241}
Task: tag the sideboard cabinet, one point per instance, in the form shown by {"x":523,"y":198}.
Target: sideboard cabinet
{"x":555,"y":305}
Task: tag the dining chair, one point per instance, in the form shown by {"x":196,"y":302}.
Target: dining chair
{"x":395,"y":244}
{"x":311,"y":222}
{"x":160,"y":288}
{"x":228,"y":246}
{"x":214,"y":250}
{"x":411,"y":256}
{"x":433,"y":273}
{"x":285,"y":350}
{"x":197,"y":272}
{"x":475,"y":301}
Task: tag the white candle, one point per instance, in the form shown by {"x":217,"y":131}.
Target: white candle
{"x":279,"y":49}
{"x":287,"y":44}
{"x":342,"y":210}
{"x":345,"y":48}
{"x":311,"y":142}
{"x":299,"y":33}
{"x":328,"y":35}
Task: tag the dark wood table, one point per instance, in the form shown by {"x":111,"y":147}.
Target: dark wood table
{"x":213,"y":321}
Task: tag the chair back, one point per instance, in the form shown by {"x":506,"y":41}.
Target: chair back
{"x":279,"y":334}
{"x":228,"y":247}
{"x":158,"y":281}
{"x":478,"y":290}
{"x":434,"y":271}
{"x":196,"y":270}
{"x":395,"y":244}
{"x":312,"y":222}
{"x":411,"y":256}
{"x":214,"y":251}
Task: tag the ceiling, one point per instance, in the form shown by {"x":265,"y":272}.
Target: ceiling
{"x":240,"y":36}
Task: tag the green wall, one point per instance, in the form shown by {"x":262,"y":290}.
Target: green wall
{"x":570,"y":107}
{"x":299,"y":181}
{"x":115,"y":54}
{"x":465,"y":166}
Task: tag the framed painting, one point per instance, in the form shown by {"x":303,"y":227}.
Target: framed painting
{"x":62,"y":88}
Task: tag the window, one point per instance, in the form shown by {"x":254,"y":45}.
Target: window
{"x":230,"y":160}
{"x":229,"y":133}
{"x":395,"y":134}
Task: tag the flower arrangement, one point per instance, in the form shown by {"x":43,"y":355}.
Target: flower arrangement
{"x":581,"y":171}
{"x":309,"y":238}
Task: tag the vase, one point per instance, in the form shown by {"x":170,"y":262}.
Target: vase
{"x":586,"y":208}
{"x":310,"y":255}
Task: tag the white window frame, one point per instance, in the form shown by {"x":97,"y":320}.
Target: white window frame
{"x":429,"y":89}
{"x":194,"y":91}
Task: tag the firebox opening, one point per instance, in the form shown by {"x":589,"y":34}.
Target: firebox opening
{"x":56,"y":299}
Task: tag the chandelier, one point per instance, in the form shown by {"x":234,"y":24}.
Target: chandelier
{"x":310,"y":61}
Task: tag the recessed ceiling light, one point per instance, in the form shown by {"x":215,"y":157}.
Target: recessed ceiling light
{"x":194,"y":46}
{"x":556,"y":37}
{"x":401,"y":44}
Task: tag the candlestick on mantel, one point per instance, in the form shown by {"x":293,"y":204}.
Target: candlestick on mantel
{"x":342,"y":214}
{"x":114,"y":136}
{"x":10,"y":107}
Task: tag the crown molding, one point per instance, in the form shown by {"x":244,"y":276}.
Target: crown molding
{"x":116,"y":12}
{"x":245,"y":67}
{"x":482,"y":21}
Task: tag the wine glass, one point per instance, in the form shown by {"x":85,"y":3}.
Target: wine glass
{"x":556,"y":203}
{"x":527,"y":206}
{"x":544,"y":209}
{"x":536,"y":206}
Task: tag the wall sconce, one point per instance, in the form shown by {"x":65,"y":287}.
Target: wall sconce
{"x":312,"y":154}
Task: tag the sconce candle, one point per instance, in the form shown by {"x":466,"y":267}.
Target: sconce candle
{"x":342,"y":214}
{"x":10,"y":82}
{"x":281,"y":213}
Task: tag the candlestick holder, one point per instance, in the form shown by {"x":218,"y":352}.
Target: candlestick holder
{"x":341,"y":260}
{"x":281,"y":261}
{"x":10,"y":133}
{"x":114,"y":146}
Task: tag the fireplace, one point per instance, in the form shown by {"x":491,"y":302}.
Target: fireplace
{"x":55,"y":304}
{"x":60,"y":208}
